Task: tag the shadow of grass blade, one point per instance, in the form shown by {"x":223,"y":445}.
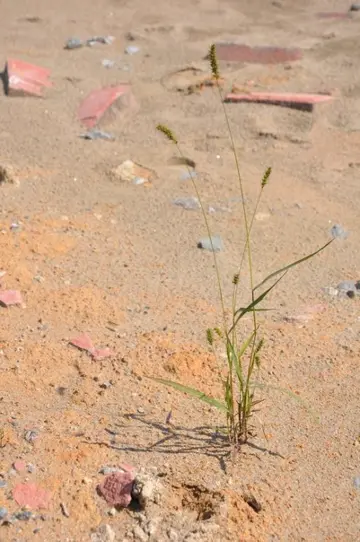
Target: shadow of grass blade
{"x":193,"y":392}
{"x":293,"y":264}
{"x":291,"y":394}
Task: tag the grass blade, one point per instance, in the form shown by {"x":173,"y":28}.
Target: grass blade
{"x":250,"y":308}
{"x":193,"y":392}
{"x":293,"y":264}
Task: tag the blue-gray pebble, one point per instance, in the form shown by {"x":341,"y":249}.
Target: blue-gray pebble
{"x":213,"y":243}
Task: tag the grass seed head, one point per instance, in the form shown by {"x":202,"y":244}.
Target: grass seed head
{"x":210,"y":336}
{"x":265,"y":178}
{"x":167,"y":133}
{"x":214,"y":62}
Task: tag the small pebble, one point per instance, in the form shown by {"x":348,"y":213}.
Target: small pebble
{"x":73,"y":43}
{"x":338,"y":231}
{"x":112,"y":512}
{"x":132,"y":50}
{"x":108,"y":63}
{"x":3,"y":483}
{"x":357,"y":482}
{"x":31,"y":468}
{"x":190,"y":203}
{"x":213,"y":243}
{"x":141,"y":410}
{"x":3,"y":513}
{"x":97,"y":134}
{"x":186,"y":175}
{"x":109,"y":470}
{"x":355,"y":7}
{"x":25,"y":515}
{"x":347,"y":286}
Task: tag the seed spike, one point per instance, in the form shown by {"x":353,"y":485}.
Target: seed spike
{"x":167,"y":133}
{"x":213,"y":62}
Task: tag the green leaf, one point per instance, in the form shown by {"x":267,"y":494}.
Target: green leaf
{"x":253,"y":304}
{"x":193,"y":392}
{"x":294,"y":264}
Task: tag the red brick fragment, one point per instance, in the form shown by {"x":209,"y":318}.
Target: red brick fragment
{"x":116,"y":488}
{"x":233,"y":52}
{"x":84,"y":342}
{"x":24,"y":78}
{"x":19,"y":465}
{"x":98,"y":101}
{"x":10,"y":297}
{"x":32,"y":496}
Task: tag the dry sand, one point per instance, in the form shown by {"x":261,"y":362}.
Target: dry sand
{"x":120,"y":262}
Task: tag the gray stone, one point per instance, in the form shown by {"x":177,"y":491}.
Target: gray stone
{"x":24,"y":515}
{"x":355,"y":7}
{"x":338,"y":231}
{"x":97,"y":134}
{"x":189,"y":203}
{"x":132,"y":50}
{"x":104,"y":534}
{"x":3,"y":513}
{"x":73,"y":43}
{"x":213,"y":243}
{"x":357,"y":482}
{"x":3,"y":483}
{"x":347,"y":286}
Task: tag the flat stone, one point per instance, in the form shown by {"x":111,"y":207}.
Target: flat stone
{"x":104,"y":534}
{"x":213,"y":243}
{"x":338,"y":231}
{"x":116,"y":488}
{"x":32,"y":496}
{"x":190,"y":204}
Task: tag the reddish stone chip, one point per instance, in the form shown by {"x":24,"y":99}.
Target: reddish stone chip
{"x":10,"y":297}
{"x":116,"y":488}
{"x":19,"y":465}
{"x":84,"y":342}
{"x":32,"y":496}
{"x":256,"y":55}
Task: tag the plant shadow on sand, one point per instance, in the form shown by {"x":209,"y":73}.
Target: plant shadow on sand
{"x":203,"y":440}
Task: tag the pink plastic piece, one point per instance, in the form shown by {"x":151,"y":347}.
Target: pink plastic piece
{"x":10,"y":297}
{"x":97,"y":102}
{"x":233,"y":52}
{"x":32,"y":496}
{"x":26,"y":78}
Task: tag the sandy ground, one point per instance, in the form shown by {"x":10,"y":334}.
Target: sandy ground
{"x":120,"y":262}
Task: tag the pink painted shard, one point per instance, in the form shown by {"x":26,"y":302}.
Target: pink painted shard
{"x":333,"y":15}
{"x":19,"y":465}
{"x":32,"y":496}
{"x":24,"y":78}
{"x":10,"y":297}
{"x":232,"y":52}
{"x":98,"y":101}
{"x":299,"y":101}
{"x":84,"y":342}
{"x":116,"y":488}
